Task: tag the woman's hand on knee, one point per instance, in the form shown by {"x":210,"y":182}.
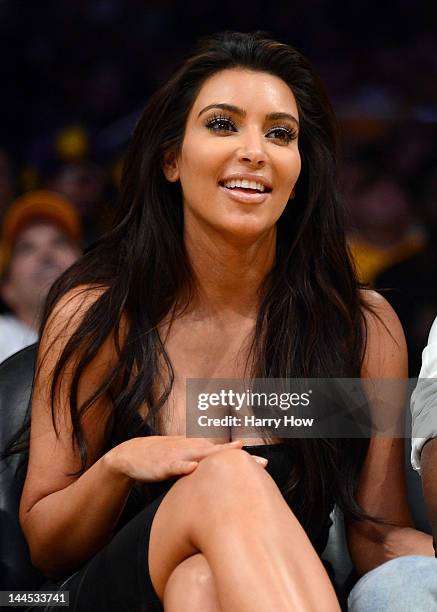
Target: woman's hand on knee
{"x":157,"y":458}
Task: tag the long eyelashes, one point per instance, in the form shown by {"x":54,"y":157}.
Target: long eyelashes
{"x":220,"y":123}
{"x":286,"y":134}
{"x":223,"y":123}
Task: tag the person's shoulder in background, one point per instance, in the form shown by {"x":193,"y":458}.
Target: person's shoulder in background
{"x":14,"y":336}
{"x":424,"y":400}
{"x":431,"y":354}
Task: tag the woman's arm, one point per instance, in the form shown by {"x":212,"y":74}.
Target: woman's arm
{"x":66,"y":519}
{"x":382,"y":488}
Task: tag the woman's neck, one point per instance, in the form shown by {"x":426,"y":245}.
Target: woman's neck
{"x":229,"y":273}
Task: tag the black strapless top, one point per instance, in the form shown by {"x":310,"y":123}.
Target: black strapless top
{"x":280,"y":458}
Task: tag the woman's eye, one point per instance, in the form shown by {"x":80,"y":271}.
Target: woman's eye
{"x":284,"y":134}
{"x":220,"y":124}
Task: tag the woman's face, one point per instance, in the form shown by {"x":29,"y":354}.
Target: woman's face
{"x":239,"y":160}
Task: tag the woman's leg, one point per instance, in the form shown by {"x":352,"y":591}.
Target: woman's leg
{"x":191,"y":587}
{"x":231,"y":510}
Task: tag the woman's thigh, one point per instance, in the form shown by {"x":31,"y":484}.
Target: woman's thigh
{"x":201,"y":506}
{"x":217,"y":509}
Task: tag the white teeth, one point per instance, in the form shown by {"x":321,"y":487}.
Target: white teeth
{"x":245,"y":184}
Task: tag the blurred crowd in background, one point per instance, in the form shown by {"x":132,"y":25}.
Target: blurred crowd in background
{"x":75,"y":75}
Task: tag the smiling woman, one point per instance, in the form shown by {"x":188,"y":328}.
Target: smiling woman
{"x":238,"y":166}
{"x":227,"y":260}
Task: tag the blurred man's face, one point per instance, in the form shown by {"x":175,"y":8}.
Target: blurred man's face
{"x":40,"y":254}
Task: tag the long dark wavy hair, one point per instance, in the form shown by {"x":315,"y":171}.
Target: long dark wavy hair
{"x":310,"y":322}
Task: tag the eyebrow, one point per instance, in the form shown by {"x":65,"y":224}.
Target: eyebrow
{"x":242,"y":113}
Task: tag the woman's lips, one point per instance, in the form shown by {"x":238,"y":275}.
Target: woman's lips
{"x":247,"y":196}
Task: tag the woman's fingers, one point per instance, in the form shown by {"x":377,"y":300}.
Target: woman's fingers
{"x":159,"y":457}
{"x":183,"y":468}
{"x":234,"y":444}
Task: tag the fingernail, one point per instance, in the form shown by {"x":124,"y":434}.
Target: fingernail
{"x":260,"y":460}
{"x":235,"y":442}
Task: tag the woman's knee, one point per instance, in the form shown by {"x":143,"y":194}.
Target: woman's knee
{"x":191,"y":587}
{"x":405,"y":584}
{"x":229,"y":476}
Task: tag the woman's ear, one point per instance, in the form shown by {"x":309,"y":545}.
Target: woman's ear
{"x":170,"y":166}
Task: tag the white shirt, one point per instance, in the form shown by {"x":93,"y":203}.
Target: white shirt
{"x":14,"y":336}
{"x":424,"y":400}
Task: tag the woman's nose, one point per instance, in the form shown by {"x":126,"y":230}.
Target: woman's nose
{"x":252,"y":151}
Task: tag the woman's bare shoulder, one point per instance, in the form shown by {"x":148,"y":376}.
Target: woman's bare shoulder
{"x":386,"y":351}
{"x":73,"y":304}
{"x":69,"y":311}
